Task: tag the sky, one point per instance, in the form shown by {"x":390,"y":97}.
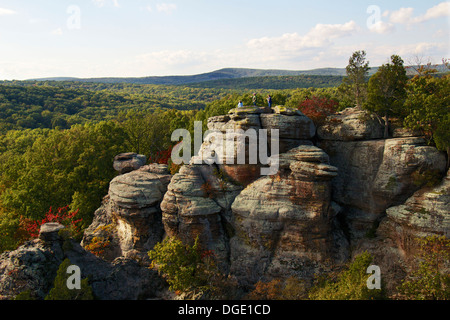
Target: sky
{"x":138,"y":38}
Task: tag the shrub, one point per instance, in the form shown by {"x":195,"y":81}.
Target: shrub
{"x":349,"y":284}
{"x":62,"y":216}
{"x":99,"y":244}
{"x":429,"y":281}
{"x":187,"y":268}
{"x":60,"y":290}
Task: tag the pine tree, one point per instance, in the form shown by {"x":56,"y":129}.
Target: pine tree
{"x":387,"y":90}
{"x":357,"y":72}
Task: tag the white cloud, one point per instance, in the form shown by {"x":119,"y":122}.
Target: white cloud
{"x":382,"y":27}
{"x":6,"y":12}
{"x":166,"y":7}
{"x":438,"y":11}
{"x":318,"y":37}
{"x":405,"y":15}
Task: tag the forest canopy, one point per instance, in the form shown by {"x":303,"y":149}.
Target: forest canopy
{"x":58,"y":139}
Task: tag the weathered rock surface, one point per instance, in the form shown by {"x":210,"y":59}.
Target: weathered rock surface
{"x":33,"y":266}
{"x":127,"y":162}
{"x":351,"y":124}
{"x":130,"y":217}
{"x":312,"y":215}
{"x":198,"y":204}
{"x":284,"y":223}
{"x":294,"y":128}
{"x":375,"y":175}
{"x":425,"y":213}
{"x":394,"y":246}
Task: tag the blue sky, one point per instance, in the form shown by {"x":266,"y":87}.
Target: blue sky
{"x":100,"y":38}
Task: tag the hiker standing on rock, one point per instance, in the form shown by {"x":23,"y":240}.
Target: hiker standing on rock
{"x":240,"y":104}
{"x":269,"y":101}
{"x":254,"y":99}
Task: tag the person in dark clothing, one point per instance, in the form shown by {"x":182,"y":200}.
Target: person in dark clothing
{"x":269,"y":101}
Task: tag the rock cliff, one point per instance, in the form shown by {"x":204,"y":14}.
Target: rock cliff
{"x":350,"y":190}
{"x":374,"y":173}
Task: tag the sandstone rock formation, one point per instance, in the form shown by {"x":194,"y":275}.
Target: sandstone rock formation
{"x":198,"y":203}
{"x":33,"y":266}
{"x":316,"y":212}
{"x":277,"y":224}
{"x":351,"y":124}
{"x":425,"y":213}
{"x":294,"y":129}
{"x":376,"y":174}
{"x":284,"y":223}
{"x":129,"y":220}
{"x":127,"y":162}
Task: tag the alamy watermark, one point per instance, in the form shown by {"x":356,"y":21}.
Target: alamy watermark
{"x":374,"y":280}
{"x":73,"y":282}
{"x":228,"y":148}
{"x":74,"y":20}
{"x":375,"y":16}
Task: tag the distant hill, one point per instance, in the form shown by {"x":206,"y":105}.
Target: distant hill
{"x":201,"y":80}
{"x":271,"y":82}
{"x":227,"y":73}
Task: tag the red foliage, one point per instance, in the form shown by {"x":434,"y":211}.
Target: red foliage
{"x":317,"y":109}
{"x":162,"y":157}
{"x":62,"y":216}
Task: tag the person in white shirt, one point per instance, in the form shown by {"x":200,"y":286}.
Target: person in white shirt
{"x":240,"y":105}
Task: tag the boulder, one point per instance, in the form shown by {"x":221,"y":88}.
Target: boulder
{"x":33,"y":266}
{"x":351,"y":124}
{"x":127,"y":162}
{"x":129,"y":219}
{"x":49,"y":231}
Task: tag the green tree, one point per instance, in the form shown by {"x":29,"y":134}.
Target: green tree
{"x":357,"y":71}
{"x":187,"y":268}
{"x":429,"y":281}
{"x":60,"y":291}
{"x":349,"y":284}
{"x":387,"y":91}
{"x":428,"y":106}
{"x":59,"y":167}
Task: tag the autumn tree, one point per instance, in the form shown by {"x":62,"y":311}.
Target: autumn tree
{"x":428,"y":108}
{"x":387,"y":91}
{"x":357,"y":71}
{"x":318,"y":109}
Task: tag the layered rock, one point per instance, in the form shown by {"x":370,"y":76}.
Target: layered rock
{"x":33,"y":266}
{"x":197,"y":204}
{"x":351,"y":124}
{"x":293,"y":127}
{"x":378,"y":173}
{"x":394,"y":246}
{"x":284,"y":223}
{"x":425,"y":213}
{"x":127,"y":162}
{"x":129,"y":220}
